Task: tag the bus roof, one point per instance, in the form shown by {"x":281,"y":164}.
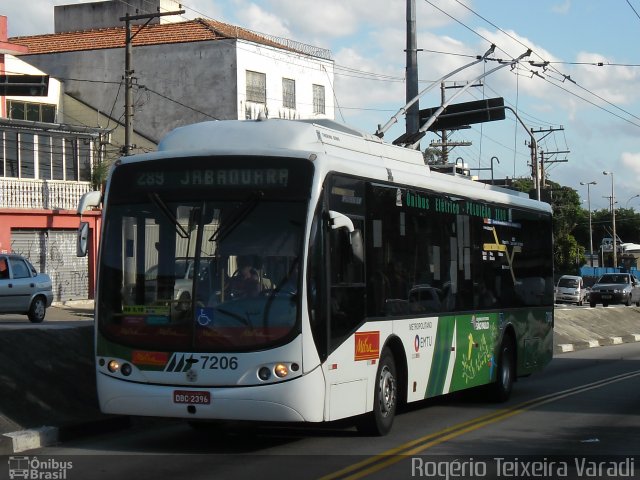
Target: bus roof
{"x":322,"y":137}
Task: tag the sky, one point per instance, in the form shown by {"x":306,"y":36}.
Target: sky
{"x":579,"y":90}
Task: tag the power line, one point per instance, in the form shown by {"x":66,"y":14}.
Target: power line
{"x":544,"y":64}
{"x":634,"y":10}
{"x":177,"y":102}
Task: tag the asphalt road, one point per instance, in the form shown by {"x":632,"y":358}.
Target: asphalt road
{"x":56,"y":317}
{"x":583,"y":404}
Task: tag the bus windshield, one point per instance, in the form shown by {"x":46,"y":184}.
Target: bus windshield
{"x":194,"y":267}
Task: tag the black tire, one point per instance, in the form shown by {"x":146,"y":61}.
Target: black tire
{"x":385,"y":399}
{"x":628,"y":302}
{"x":37,"y":310}
{"x":605,"y":304}
{"x":500,"y":390}
{"x":592,"y":304}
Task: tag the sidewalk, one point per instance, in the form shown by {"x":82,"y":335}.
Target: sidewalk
{"x":76,"y":305}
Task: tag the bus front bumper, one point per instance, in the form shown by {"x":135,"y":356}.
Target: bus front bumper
{"x":298,"y":400}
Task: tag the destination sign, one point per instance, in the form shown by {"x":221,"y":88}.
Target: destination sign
{"x":455,"y":207}
{"x":214,"y":177}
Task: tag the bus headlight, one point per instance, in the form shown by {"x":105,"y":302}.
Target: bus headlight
{"x":281,"y":370}
{"x":277,"y":371}
{"x":113,"y":366}
{"x":264,"y":374}
{"x":126,"y":369}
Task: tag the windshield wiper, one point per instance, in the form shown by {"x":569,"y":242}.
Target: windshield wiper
{"x":158,"y":202}
{"x":236,"y":217}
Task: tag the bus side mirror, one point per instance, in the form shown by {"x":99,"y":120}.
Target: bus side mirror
{"x":82,"y":239}
{"x":357,"y":245}
{"x":339,"y":220}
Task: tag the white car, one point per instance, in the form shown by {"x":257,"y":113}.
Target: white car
{"x":22,"y":289}
{"x":571,"y":289}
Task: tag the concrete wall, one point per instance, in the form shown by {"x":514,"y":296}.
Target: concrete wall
{"x":289,"y":65}
{"x":194,"y":82}
{"x":85,"y":16}
{"x":80,"y":113}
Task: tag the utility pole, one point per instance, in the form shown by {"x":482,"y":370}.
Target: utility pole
{"x":128,"y":72}
{"x":413,"y":112}
{"x":548,"y":131}
{"x":444,"y":144}
{"x":543,"y":161}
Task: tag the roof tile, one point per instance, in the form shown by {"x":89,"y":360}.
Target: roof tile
{"x":197,"y":30}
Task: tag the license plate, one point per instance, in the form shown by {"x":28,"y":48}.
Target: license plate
{"x":191,"y":397}
{"x":606,"y":296}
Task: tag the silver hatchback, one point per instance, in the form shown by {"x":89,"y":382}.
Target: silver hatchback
{"x":22,"y":289}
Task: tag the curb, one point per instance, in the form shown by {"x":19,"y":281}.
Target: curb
{"x":601,"y":342}
{"x":89,"y":303}
{"x":29,"y":439}
{"x":23,"y":440}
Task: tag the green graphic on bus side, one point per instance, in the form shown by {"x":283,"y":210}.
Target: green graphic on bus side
{"x":476,"y":339}
{"x":472,"y":354}
{"x":441,"y":356}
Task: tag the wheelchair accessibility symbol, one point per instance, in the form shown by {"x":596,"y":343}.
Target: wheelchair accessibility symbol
{"x":204,"y":316}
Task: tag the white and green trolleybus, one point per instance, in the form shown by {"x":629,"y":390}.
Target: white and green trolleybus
{"x":372,"y":281}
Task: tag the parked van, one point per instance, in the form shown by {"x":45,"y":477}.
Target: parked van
{"x":571,"y":289}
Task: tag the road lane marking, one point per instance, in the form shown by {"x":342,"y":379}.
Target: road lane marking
{"x":394,"y":455}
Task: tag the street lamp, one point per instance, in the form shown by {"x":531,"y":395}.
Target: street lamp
{"x":613,"y":220}
{"x":631,"y":198}
{"x":588,"y":184}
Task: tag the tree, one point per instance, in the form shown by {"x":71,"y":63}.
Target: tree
{"x":567,"y":252}
{"x":432,"y":156}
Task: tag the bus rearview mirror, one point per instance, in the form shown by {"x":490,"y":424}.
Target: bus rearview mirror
{"x":82,"y":239}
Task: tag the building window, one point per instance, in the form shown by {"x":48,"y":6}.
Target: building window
{"x":71,"y":160}
{"x":57,"y":158}
{"x":288,"y":93}
{"x":256,"y":87}
{"x":318,"y":99}
{"x":84,"y":158}
{"x":11,"y":154}
{"x":45,"y":157}
{"x":27,"y":156}
{"x":36,"y":112}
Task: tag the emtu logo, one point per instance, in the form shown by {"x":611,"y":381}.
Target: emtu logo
{"x":422,"y":342}
{"x":180,"y":362}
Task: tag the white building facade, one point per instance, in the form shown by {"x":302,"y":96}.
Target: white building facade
{"x":184,"y":72}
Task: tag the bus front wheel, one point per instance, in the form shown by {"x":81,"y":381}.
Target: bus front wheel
{"x":385,"y":399}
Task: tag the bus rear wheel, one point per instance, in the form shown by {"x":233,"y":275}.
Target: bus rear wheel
{"x":385,"y":399}
{"x":500,"y":390}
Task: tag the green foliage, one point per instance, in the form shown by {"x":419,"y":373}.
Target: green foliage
{"x":99,"y":174}
{"x":569,"y":255}
{"x":432,"y":156}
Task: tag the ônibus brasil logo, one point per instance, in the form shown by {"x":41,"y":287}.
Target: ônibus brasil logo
{"x":35,"y":468}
